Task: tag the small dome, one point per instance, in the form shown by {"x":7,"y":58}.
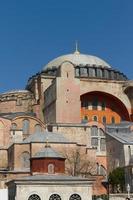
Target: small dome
{"x":77,"y":59}
{"x":47,"y":152}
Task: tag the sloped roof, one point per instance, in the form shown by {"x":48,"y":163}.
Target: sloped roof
{"x":44,"y":136}
{"x":47,"y":152}
{"x":11,"y":116}
{"x":121,"y":132}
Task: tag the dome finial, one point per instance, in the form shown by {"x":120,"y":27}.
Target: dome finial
{"x":76,"y":48}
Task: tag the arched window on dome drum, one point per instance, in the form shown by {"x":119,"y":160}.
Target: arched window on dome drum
{"x":113,"y":120}
{"x":37,"y":128}
{"x":55,"y":197}
{"x":34,"y":197}
{"x":51,"y":169}
{"x":106,"y":73}
{"x":75,"y":197}
{"x":103,"y":74}
{"x":83,"y":72}
{"x":26,"y":126}
{"x":99,"y":73}
{"x":92,"y":72}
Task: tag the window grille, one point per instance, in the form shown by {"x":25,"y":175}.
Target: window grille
{"x":34,"y":197}
{"x":75,"y":197}
{"x":55,"y":197}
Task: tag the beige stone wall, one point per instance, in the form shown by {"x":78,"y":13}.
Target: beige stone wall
{"x":80,"y":135}
{"x":64,"y":190}
{"x":3,"y":159}
{"x":18,"y":150}
{"x":5,"y":126}
{"x":11,"y":106}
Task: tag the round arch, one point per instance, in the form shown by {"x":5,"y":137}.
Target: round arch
{"x":102,"y":104}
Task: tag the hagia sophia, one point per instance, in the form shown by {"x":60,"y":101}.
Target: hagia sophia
{"x":78,"y":105}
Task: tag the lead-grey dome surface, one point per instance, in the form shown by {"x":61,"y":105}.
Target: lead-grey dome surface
{"x":77,"y":59}
{"x":48,"y":152}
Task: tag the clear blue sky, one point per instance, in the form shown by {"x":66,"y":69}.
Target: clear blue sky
{"x":32,"y":32}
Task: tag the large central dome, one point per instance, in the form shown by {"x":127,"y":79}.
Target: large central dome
{"x":77,"y":59}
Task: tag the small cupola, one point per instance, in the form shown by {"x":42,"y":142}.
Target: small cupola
{"x":47,"y":161}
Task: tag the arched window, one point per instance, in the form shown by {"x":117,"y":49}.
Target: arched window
{"x":95,"y":118}
{"x":85,"y":119}
{"x":37,"y":128}
{"x":50,"y":169}
{"x":55,"y":197}
{"x":26,"y":126}
{"x":75,"y":197}
{"x":113,"y":120}
{"x":14,"y":126}
{"x":104,"y":120}
{"x":25,"y":160}
{"x":34,"y":197}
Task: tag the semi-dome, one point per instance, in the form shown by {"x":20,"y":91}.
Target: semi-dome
{"x":77,"y":59}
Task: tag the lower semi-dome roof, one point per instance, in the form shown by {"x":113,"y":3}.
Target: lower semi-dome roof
{"x":77,"y":59}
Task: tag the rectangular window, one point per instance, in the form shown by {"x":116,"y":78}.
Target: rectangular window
{"x":94,"y":131}
{"x":94,"y":142}
{"x":102,"y":144}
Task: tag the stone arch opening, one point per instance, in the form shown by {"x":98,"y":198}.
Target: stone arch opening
{"x":112,"y":108}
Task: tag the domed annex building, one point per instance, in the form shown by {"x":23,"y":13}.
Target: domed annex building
{"x":70,"y":103}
